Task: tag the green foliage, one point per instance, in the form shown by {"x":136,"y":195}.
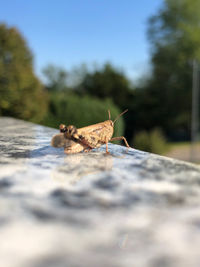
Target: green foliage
{"x":107,"y":82}
{"x":177,"y":23}
{"x":21,"y":94}
{"x":174,"y":34}
{"x":153,"y":141}
{"x":69,"y":108}
{"x":164,"y":100}
{"x":56,"y":78}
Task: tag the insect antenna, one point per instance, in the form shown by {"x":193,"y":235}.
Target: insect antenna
{"x":109,"y":114}
{"x":120,"y":115}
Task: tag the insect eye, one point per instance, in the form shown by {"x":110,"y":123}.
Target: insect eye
{"x":62,"y":128}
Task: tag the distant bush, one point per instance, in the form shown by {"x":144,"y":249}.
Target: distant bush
{"x":69,"y":108}
{"x":153,"y":141}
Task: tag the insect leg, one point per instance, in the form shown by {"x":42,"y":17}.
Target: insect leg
{"x":120,"y":138}
{"x":107,"y":152}
{"x":86,"y":150}
{"x":72,"y":147}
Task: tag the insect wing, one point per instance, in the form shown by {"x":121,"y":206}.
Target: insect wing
{"x":93,"y":128}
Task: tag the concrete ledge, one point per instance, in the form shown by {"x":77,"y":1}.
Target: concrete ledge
{"x":129,"y":208}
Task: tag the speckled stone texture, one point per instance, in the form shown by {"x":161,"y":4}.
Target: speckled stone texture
{"x":129,"y":208}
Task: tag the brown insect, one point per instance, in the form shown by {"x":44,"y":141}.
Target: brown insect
{"x":84,"y":139}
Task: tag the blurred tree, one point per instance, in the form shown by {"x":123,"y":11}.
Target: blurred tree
{"x":107,"y":82}
{"x":21,"y":94}
{"x":76,"y":75}
{"x":56,"y":78}
{"x":174,"y":34}
{"x":153,"y":141}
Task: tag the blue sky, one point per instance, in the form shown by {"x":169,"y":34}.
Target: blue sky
{"x":70,"y":32}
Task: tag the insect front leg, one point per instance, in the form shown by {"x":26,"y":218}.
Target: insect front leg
{"x":72,"y":147}
{"x":86,"y":150}
{"x":120,"y":138}
{"x":107,"y":152}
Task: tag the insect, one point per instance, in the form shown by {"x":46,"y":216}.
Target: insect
{"x":84,"y":139}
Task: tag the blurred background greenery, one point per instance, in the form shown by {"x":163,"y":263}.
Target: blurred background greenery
{"x":159,"y":105}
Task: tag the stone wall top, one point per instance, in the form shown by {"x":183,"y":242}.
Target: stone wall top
{"x":129,"y":208}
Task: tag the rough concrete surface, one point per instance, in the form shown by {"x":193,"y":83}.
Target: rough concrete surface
{"x":129,"y":208}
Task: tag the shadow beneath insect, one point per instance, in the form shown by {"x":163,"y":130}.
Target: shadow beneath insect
{"x":118,"y":151}
{"x":36,"y":153}
{"x":80,"y":165}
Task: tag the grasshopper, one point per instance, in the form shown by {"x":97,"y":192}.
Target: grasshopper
{"x":84,"y":139}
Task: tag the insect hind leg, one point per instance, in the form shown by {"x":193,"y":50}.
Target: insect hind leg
{"x":120,"y":138}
